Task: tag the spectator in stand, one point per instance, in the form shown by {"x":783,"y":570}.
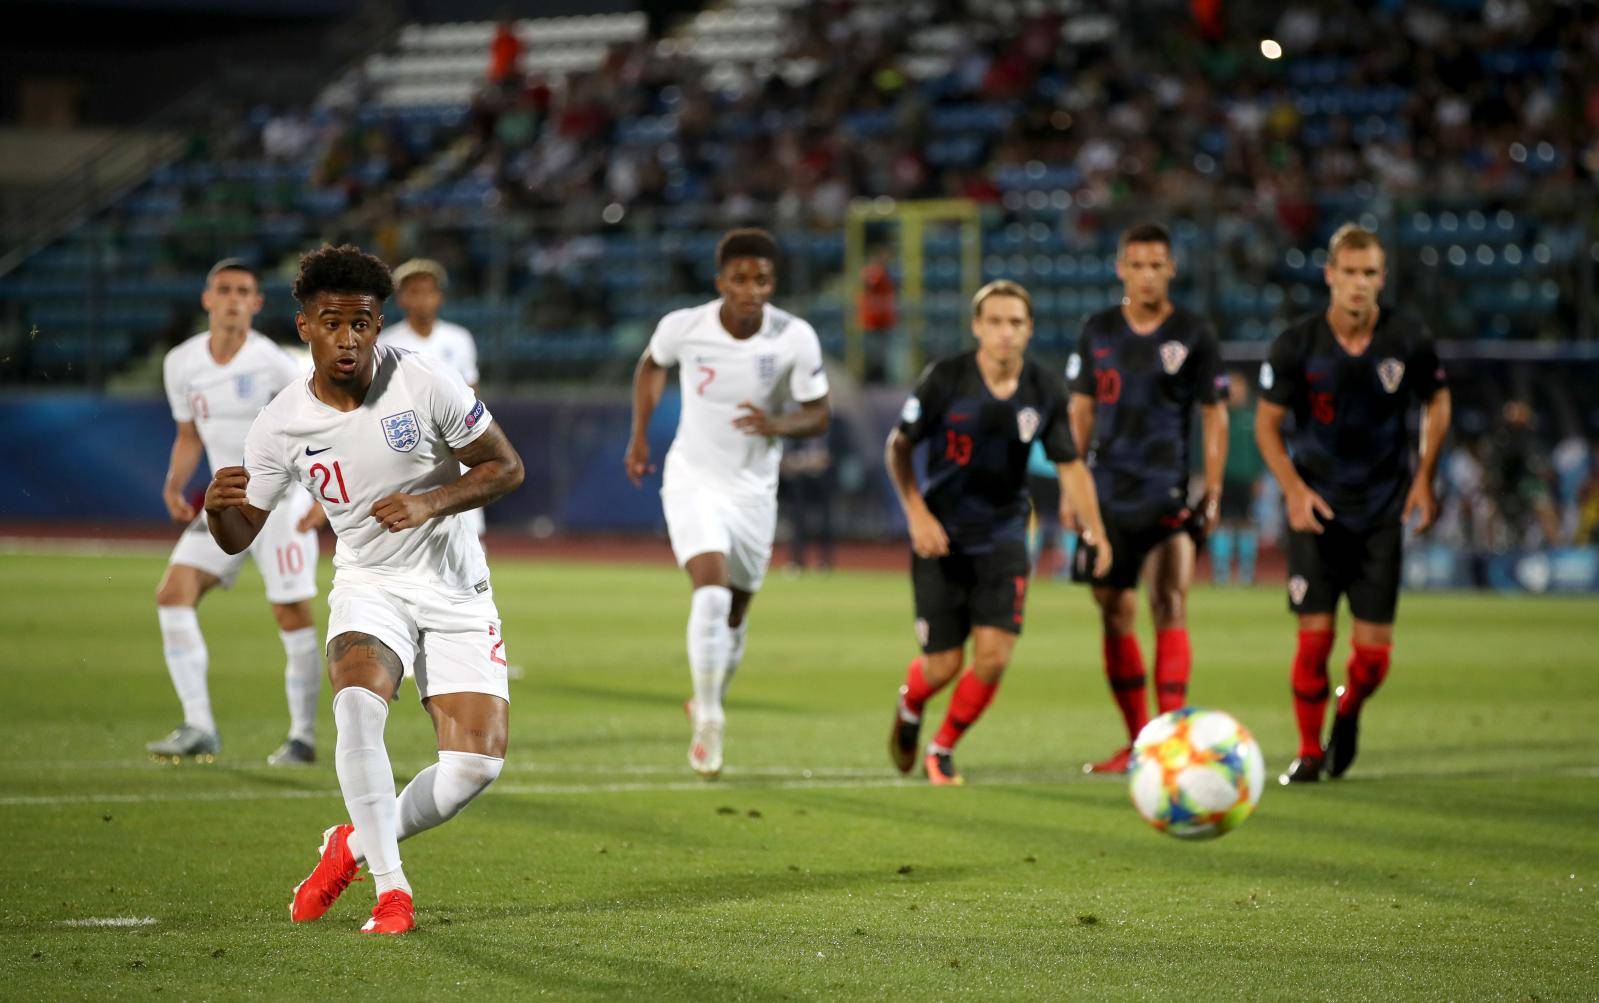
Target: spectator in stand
{"x":876,"y":314}
{"x":505,"y":55}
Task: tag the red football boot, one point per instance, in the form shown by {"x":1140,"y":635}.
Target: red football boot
{"x":333,"y":873}
{"x":1117,"y":763}
{"x":393,"y":914}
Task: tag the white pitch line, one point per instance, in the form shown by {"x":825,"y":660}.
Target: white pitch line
{"x":620,"y":787}
{"x":112,"y":921}
{"x":732,"y":787}
{"x":511,"y":766}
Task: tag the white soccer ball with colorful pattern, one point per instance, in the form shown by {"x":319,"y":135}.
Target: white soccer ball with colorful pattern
{"x":1196,"y":774}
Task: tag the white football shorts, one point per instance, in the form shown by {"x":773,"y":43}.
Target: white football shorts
{"x":705,"y":521}
{"x":287,"y":558}
{"x":451,"y":643}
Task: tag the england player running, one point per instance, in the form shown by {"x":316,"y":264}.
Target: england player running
{"x":979,"y":412}
{"x":1349,"y":377}
{"x":1138,"y":372}
{"x":379,"y":435}
{"x":419,"y":286}
{"x":740,"y":362}
{"x":216,"y":383}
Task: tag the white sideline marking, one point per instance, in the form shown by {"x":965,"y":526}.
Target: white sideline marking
{"x":882,"y":780}
{"x":513,"y":766}
{"x":112,"y":921}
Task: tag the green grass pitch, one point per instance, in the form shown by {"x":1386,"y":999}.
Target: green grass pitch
{"x":1458,"y":860}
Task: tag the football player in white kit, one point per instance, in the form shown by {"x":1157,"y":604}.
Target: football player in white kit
{"x":379,"y":436}
{"x":740,"y":362}
{"x":216,"y":383}
{"x":419,"y":286}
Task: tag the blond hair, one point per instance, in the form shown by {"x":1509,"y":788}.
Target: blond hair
{"x":1002,"y":287}
{"x":1352,"y":237}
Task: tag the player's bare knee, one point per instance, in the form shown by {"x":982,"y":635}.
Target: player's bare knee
{"x":356,"y":659}
{"x":990,"y":668}
{"x":939,"y":667}
{"x":1169,"y":608}
{"x":176,"y":589}
{"x":293,"y":615}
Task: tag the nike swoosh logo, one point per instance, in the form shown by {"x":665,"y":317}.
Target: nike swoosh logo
{"x":312,"y":452}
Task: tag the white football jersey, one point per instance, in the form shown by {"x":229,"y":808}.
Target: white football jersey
{"x":779,"y":364}
{"x":222,"y":401}
{"x":450,"y":343}
{"x":401,"y":438}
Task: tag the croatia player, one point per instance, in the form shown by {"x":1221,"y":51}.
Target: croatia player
{"x":1348,"y":376}
{"x":1138,"y":372}
{"x":216,"y":383}
{"x":379,"y":435}
{"x":419,"y":286}
{"x":980,"y":412}
{"x":740,"y":361}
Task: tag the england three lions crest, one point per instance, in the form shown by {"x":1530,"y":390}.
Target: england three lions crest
{"x":1027,"y":424}
{"x":1391,"y":372}
{"x":402,"y":432}
{"x":1172,"y":356}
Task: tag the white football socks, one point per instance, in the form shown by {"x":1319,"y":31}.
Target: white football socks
{"x":187,"y":659}
{"x":302,"y":681}
{"x":736,"y":657}
{"x":367,"y":781}
{"x":438,"y":793}
{"x":710,"y":644}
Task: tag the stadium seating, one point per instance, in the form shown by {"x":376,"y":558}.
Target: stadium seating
{"x":417,"y":165}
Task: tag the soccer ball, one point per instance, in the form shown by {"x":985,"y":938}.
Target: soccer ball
{"x":1196,"y":774}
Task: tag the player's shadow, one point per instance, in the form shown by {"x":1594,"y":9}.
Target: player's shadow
{"x":710,"y":889}
{"x":605,"y":976}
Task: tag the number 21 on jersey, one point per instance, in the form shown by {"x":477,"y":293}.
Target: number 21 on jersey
{"x":328,"y":478}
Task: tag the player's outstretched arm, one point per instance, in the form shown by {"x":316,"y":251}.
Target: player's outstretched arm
{"x":233,"y":521}
{"x":1303,"y":504}
{"x":928,"y":538}
{"x":649,"y":382}
{"x":186,"y":452}
{"x":1422,"y":499}
{"x":494,"y":469}
{"x":1077,"y":490}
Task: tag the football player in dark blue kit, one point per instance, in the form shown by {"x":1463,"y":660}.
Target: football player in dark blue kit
{"x":979,"y":413}
{"x":1139,"y":371}
{"x":1349,"y":377}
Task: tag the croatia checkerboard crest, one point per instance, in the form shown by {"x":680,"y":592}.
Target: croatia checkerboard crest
{"x":401,"y":431}
{"x":1172,"y":354}
{"x":1391,"y":372}
{"x":1027,"y":423}
{"x":1297,"y":587}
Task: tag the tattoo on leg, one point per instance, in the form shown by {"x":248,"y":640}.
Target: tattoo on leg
{"x":356,"y":643}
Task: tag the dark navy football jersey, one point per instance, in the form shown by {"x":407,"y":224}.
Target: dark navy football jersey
{"x":1144,"y":387}
{"x":1351,"y":440}
{"x":978,"y":445}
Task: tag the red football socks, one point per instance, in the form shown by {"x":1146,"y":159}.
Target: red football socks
{"x":1124,"y":667}
{"x":966,"y":705}
{"x":1174,"y":662}
{"x":917,"y":690}
{"x":1310,"y":687}
{"x":1368,"y":667}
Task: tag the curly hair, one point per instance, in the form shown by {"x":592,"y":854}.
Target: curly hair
{"x":342,"y":269}
{"x":745,"y":243}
